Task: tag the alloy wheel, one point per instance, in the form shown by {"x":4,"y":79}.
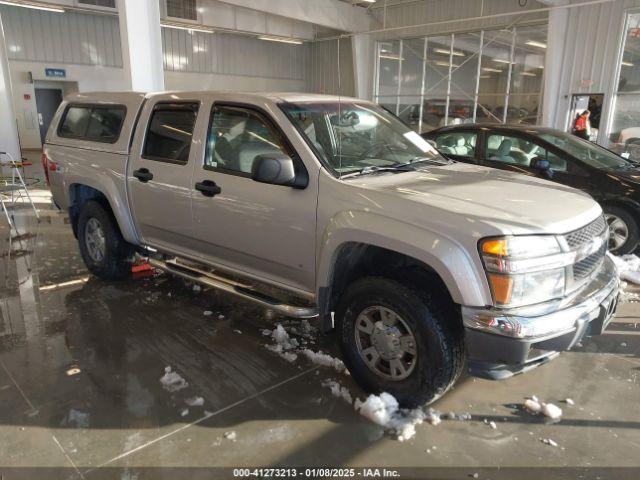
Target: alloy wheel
{"x":385,"y":343}
{"x":95,"y":240}
{"x":618,"y":231}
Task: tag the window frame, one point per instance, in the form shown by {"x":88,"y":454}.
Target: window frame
{"x":163,"y":103}
{"x":269,"y":121}
{"x":91,"y":107}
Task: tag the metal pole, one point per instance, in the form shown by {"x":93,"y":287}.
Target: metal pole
{"x":446,"y":111}
{"x":478,"y":73}
{"x":506,"y":98}
{"x":399,"y":79}
{"x":423,"y":85}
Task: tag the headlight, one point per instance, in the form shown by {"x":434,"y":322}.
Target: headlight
{"x":525,"y":270}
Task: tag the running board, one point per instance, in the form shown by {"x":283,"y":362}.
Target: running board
{"x":232,"y":287}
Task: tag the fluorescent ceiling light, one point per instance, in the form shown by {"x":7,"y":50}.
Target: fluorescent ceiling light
{"x":533,"y":43}
{"x":448,"y":52}
{"x":36,"y":6}
{"x":627,"y":64}
{"x":499,"y":60}
{"x":487,"y":69}
{"x":446,"y":64}
{"x":528,"y":74}
{"x":293,"y":41}
{"x":186,"y":26}
{"x":391,"y":57}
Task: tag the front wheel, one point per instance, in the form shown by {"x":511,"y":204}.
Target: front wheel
{"x":623,"y":230}
{"x":399,"y":341}
{"x":105,"y":253}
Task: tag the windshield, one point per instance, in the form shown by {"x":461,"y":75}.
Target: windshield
{"x":353,"y":137}
{"x":586,"y":151}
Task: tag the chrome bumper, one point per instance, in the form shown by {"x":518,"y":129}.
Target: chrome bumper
{"x":497,"y":347}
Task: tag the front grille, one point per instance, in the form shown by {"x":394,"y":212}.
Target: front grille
{"x":586,"y":266}
{"x":586,"y":234}
{"x":582,"y":270}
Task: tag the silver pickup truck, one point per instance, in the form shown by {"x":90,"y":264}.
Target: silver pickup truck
{"x":322,"y":206}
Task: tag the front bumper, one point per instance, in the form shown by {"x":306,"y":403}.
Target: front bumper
{"x":495,"y":356}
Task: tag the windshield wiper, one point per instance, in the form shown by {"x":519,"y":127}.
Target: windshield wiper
{"x":401,"y":167}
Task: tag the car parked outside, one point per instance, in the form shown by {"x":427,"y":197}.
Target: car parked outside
{"x":558,"y":156}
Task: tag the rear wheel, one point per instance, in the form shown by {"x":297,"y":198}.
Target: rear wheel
{"x":396,"y":340}
{"x":623,"y":230}
{"x":105,"y":253}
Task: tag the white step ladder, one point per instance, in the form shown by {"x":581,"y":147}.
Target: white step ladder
{"x":13,"y":189}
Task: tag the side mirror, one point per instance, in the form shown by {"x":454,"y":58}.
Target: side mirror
{"x":540,"y":163}
{"x":273,"y":168}
{"x":543,"y":165}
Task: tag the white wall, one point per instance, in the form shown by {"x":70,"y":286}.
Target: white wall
{"x":89,"y":78}
{"x":243,"y":83}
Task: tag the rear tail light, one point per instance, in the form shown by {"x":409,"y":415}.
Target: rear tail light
{"x":47,"y":166}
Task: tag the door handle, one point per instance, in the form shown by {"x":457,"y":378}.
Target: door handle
{"x":143,"y":174}
{"x":208,"y":188}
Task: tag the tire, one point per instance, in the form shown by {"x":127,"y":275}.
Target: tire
{"x":438,"y":334}
{"x":117,"y":258}
{"x":621,"y":221}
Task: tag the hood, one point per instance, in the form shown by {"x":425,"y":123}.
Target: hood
{"x":509,"y":202}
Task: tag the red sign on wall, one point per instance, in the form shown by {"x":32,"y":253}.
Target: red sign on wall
{"x":26,"y":96}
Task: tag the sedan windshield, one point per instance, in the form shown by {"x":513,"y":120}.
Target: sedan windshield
{"x":586,"y":151}
{"x":359,"y":137}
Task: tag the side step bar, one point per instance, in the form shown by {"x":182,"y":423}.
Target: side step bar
{"x":232,"y":287}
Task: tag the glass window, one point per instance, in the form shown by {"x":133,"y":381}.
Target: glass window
{"x":512,"y":149}
{"x":75,"y":122}
{"x":96,"y":124}
{"x":105,"y":124}
{"x":624,"y":136}
{"x":170,"y":132}
{"x":237,"y":136}
{"x":488,"y":76}
{"x":586,"y":151}
{"x":351,"y":136}
{"x":461,"y":144}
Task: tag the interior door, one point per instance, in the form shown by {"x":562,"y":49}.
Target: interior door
{"x":47,"y":102}
{"x":159,"y":175}
{"x":264,"y":230}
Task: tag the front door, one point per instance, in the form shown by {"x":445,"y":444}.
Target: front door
{"x":47,"y":102}
{"x":266,"y":231}
{"x":159,"y":176}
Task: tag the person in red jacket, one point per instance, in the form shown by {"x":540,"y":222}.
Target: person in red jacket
{"x":581,"y":126}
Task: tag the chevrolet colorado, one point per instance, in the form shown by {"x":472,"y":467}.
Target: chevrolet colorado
{"x":314,"y":205}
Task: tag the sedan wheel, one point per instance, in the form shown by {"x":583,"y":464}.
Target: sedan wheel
{"x":618,"y":231}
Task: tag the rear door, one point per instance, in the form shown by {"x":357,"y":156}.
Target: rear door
{"x":160,"y":171}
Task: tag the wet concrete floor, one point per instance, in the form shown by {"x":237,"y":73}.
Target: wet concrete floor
{"x":81,"y":361}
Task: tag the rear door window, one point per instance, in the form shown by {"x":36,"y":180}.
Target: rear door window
{"x":170,"y":132}
{"x":457,"y":144}
{"x":93,"y":123}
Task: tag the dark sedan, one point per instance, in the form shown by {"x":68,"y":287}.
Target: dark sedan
{"x":558,"y":156}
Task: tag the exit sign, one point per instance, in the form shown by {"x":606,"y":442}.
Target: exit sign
{"x":55,"y":72}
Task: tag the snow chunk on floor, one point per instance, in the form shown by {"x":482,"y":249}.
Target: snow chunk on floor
{"x":281,"y":337}
{"x":548,"y":441}
{"x":532,"y":405}
{"x":320,"y":358}
{"x":569,"y":401}
{"x":628,"y":267}
{"x":172,"y":381}
{"x":384,"y":410}
{"x":338,"y":390}
{"x":231,"y":435}
{"x":551,"y":411}
{"x":195,"y":401}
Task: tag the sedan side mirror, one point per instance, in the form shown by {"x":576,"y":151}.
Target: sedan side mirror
{"x":541,"y":164}
{"x":273,"y":168}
